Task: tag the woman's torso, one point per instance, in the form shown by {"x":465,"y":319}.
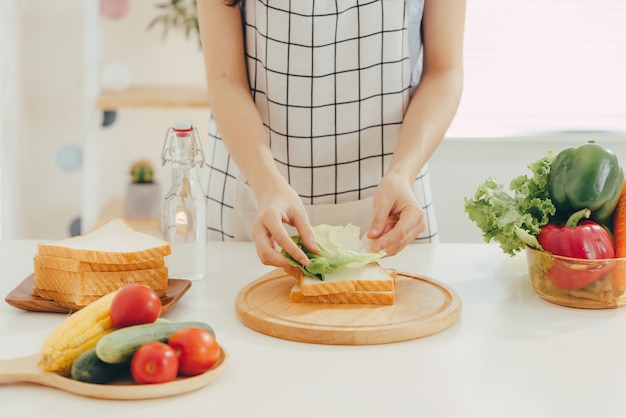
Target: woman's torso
{"x":331,"y":80}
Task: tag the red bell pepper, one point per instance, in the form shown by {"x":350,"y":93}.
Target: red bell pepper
{"x":581,"y":239}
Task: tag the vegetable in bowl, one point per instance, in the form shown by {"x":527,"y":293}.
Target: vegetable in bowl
{"x":566,"y":217}
{"x":514,"y":218}
{"x":586,"y":177}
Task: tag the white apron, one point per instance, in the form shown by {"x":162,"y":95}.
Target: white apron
{"x":331,"y":80}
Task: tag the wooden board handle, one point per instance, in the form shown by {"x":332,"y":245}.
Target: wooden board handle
{"x":22,"y":369}
{"x":25,"y":369}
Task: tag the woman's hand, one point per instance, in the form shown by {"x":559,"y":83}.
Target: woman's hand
{"x":398,"y":217}
{"x":280,"y":205}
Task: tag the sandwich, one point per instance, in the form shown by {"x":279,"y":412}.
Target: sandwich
{"x":345,"y":271}
{"x":76,"y":271}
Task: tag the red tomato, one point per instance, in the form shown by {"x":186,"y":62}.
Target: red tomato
{"x":196,"y":348}
{"x":154,"y":362}
{"x":135,"y":304}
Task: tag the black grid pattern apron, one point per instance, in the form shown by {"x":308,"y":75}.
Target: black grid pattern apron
{"x":331,"y":80}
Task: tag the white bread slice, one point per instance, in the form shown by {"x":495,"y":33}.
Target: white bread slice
{"x":95,"y":290}
{"x":66,"y":299}
{"x":112,"y":243}
{"x":359,"y":297}
{"x":371,"y":277}
{"x":74,"y":301}
{"x":77,"y":289}
{"x":69,"y":264}
{"x":97,"y":282}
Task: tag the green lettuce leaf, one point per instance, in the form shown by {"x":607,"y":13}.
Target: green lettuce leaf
{"x":514,"y":218}
{"x":340,"y":246}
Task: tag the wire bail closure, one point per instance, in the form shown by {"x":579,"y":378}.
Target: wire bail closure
{"x":167,"y":155}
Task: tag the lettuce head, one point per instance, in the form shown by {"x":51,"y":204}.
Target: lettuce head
{"x":514,"y":217}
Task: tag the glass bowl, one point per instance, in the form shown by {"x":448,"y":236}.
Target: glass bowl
{"x":578,"y":283}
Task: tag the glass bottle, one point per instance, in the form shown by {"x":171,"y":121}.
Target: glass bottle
{"x":183,"y":214}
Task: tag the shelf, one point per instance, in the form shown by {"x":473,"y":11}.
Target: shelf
{"x":154,"y":96}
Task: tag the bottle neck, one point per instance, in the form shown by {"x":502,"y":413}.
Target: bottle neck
{"x":183,"y":150}
{"x":182,"y":147}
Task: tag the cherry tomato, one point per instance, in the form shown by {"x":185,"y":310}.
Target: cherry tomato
{"x":196,"y":348}
{"x":154,"y":362}
{"x":135,"y":304}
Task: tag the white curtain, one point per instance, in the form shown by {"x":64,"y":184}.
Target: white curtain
{"x":10,"y":219}
{"x":539,"y":66}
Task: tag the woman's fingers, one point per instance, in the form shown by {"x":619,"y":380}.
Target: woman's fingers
{"x":400,"y":233}
{"x":305,"y":231}
{"x":269,"y":231}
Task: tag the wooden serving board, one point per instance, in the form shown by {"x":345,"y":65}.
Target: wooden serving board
{"x":22,"y":297}
{"x":423,"y":307}
{"x":25,"y":369}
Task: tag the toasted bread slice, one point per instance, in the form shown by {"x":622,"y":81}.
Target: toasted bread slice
{"x":69,"y":264}
{"x":358,"y":297}
{"x":72,"y":300}
{"x":66,"y":299}
{"x":371,"y":277}
{"x":98,"y":283}
{"x":90,"y":295}
{"x":112,"y":243}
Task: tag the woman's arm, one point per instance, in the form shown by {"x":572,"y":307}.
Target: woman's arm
{"x":397,"y":219}
{"x":241,"y":128}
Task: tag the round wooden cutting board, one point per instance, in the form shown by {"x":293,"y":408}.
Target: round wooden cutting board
{"x":422,"y":307}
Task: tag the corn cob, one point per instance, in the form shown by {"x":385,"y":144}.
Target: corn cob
{"x":76,"y":334}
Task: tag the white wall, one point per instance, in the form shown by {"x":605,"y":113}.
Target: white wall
{"x":10,"y":218}
{"x":49,"y":57}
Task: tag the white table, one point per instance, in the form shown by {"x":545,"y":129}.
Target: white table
{"x":511,"y":354}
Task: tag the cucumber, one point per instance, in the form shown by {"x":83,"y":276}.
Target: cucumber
{"x":120,"y":345}
{"x":89,"y":368}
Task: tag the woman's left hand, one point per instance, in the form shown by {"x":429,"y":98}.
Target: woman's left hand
{"x":398,"y":217}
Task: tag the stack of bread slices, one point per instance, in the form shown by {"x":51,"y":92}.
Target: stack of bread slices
{"x":76,"y":271}
{"x":371,"y":284}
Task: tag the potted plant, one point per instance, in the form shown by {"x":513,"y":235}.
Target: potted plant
{"x":143,"y":195}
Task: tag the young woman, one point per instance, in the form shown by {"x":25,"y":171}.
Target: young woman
{"x":327,"y":111}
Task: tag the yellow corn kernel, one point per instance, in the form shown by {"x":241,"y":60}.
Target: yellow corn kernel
{"x":76,"y":334}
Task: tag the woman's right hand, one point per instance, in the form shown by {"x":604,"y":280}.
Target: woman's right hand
{"x":280,"y":205}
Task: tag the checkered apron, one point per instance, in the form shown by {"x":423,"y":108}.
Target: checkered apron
{"x":331,"y":80}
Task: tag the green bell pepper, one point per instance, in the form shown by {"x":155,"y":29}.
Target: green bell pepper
{"x":588,"y":176}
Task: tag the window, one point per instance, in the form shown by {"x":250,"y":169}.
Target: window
{"x":537,"y":66}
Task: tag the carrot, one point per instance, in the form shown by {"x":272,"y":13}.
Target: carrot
{"x":619,"y":238}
